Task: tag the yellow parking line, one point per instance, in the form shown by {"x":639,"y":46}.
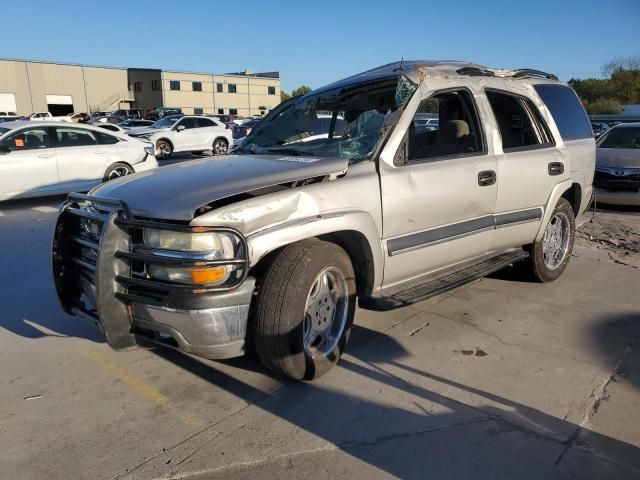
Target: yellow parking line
{"x":141,"y":388}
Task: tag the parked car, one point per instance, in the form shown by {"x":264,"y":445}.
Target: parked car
{"x":11,"y":118}
{"x":104,"y":119}
{"x":190,"y":133}
{"x":599,"y":128}
{"x":295,"y":231}
{"x":76,"y":118}
{"x":423,"y":123}
{"x":243,"y":130}
{"x":111,"y":127}
{"x":46,"y":116}
{"x":162,"y":112}
{"x":617,"y":178}
{"x":229,"y":120}
{"x":135,"y":123}
{"x":52,"y":157}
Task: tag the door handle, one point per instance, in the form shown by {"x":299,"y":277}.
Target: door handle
{"x":486,"y":178}
{"x":45,"y":155}
{"x":99,"y":152}
{"x":556,"y":168}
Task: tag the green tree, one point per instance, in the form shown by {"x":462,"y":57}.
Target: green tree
{"x":303,"y":90}
{"x":284,"y":96}
{"x":602,"y":106}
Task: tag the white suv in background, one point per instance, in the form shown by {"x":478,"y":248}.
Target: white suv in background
{"x":191,"y":133}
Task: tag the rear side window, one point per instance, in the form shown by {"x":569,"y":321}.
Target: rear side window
{"x":75,"y":137}
{"x":519,"y":122}
{"x":106,"y":139}
{"x":566,"y":110}
{"x":204,"y":122}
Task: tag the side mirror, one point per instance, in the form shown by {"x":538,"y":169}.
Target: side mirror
{"x":4,"y":150}
{"x":179,"y":128}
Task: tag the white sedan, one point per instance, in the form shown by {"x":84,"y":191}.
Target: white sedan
{"x":50,"y":158}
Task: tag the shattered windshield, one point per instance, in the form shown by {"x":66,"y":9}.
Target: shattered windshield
{"x":347,"y":122}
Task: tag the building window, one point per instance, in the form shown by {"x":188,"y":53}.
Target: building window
{"x":155,"y":85}
{"x":272,"y":90}
{"x":233,"y":111}
{"x":220,"y":110}
{"x":197,"y":86}
{"x":198,"y":111}
{"x":174,"y":85}
{"x":219,"y":87}
{"x":231,"y":87}
{"x":137,"y":86}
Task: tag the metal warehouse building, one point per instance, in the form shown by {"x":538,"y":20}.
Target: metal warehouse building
{"x":28,"y":86}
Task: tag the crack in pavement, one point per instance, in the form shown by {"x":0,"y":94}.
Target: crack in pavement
{"x":599,"y":394}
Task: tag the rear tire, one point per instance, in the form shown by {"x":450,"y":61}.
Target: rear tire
{"x":220,"y":146}
{"x":550,"y":255}
{"x":305,"y":309}
{"x":117,"y":170}
{"x":164,"y":149}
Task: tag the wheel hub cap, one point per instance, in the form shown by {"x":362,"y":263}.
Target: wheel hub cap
{"x":325,"y":312}
{"x":555,"y":243}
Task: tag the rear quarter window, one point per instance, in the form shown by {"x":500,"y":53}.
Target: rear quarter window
{"x":566,"y":110}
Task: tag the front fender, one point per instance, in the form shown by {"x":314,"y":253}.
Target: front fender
{"x":265,"y":241}
{"x":555,"y":195}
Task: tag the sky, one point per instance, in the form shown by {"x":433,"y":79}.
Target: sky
{"x":314,"y":43}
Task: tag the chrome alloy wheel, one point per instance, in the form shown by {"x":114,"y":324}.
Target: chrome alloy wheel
{"x":326,"y":312}
{"x":164,"y":150}
{"x":120,"y":171}
{"x":555,"y":243}
{"x":220,"y":147}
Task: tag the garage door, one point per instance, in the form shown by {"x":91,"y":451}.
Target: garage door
{"x":7,"y":103}
{"x":59,"y":105}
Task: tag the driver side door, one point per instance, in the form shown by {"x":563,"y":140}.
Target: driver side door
{"x":439,"y":187}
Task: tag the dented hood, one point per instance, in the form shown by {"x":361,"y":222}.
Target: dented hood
{"x":175,"y":192}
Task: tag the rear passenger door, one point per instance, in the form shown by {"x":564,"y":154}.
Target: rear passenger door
{"x":528,"y":167}
{"x":207,"y":131}
{"x":81,"y":159}
{"x":439,"y":188}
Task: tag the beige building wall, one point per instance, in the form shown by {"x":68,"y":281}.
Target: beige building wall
{"x":104,"y":88}
{"x":90,"y":88}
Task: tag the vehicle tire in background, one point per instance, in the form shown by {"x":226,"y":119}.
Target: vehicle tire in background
{"x":220,"y":146}
{"x":164,"y":150}
{"x":305,"y":308}
{"x":550,"y":255}
{"x":117,"y":170}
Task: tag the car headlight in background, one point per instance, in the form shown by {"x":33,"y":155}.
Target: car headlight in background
{"x":194,"y":247}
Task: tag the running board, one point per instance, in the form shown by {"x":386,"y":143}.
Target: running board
{"x":433,"y":287}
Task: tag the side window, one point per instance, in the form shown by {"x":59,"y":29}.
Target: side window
{"x":188,"y":123}
{"x":106,"y":139}
{"x":204,"y":122}
{"x":75,"y":137}
{"x":445,"y":124}
{"x":519,"y":122}
{"x":27,"y":139}
{"x":566,"y":110}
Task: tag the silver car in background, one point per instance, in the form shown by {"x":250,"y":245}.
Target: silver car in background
{"x":617,"y":177}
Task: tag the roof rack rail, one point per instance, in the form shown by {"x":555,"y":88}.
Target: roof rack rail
{"x":475,"y":72}
{"x":528,"y":72}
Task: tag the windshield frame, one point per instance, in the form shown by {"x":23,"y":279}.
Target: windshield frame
{"x":389,"y":119}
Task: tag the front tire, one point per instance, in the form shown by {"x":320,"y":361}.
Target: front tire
{"x":164,"y":149}
{"x":550,"y":255}
{"x":305,"y":309}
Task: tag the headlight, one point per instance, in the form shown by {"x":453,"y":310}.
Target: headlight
{"x":218,"y":245}
{"x":194,"y":247}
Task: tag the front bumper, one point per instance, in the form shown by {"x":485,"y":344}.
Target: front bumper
{"x":100,"y":275}
{"x":610,"y":197}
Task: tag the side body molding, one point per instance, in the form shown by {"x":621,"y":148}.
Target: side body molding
{"x":267,"y":240}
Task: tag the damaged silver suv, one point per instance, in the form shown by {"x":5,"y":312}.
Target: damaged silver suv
{"x":335,"y":197}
